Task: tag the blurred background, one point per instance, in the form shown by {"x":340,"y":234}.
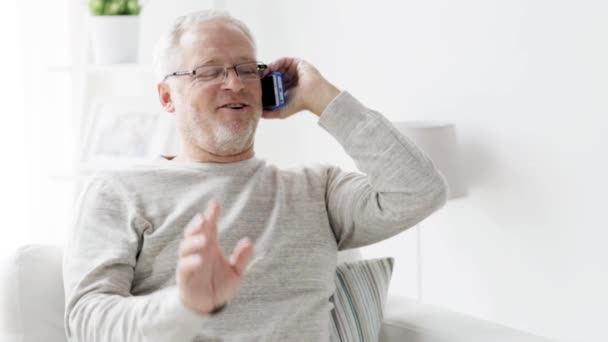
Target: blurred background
{"x":524,"y":82}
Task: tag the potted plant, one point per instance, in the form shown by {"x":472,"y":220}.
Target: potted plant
{"x":114,"y":30}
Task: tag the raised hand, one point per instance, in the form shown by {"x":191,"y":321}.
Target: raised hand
{"x":305,"y":88}
{"x":206,"y":277}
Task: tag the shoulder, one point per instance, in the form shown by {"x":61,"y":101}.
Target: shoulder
{"x":126,"y":180}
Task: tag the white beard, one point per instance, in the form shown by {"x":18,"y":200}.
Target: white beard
{"x":223,"y":139}
{"x":230,"y":141}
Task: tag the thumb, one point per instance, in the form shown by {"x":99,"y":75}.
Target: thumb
{"x":241,"y":255}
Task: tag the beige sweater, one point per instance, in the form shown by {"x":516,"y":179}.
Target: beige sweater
{"x":119,"y":263}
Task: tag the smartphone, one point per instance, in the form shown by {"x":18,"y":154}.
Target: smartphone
{"x":273,"y":95}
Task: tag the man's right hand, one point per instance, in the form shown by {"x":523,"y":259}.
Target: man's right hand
{"x":206,"y":278}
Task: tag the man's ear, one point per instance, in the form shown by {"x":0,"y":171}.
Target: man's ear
{"x":164,"y":95}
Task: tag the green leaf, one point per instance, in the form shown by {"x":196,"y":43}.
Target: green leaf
{"x":113,"y":8}
{"x":133,"y":7}
{"x":96,"y":6}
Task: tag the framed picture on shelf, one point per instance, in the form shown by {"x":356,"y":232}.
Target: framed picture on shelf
{"x":121,"y":131}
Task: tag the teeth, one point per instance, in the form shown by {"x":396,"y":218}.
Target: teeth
{"x":235,"y":105}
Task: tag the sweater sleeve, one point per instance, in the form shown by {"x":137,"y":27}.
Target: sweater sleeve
{"x":98,"y":268}
{"x":400,"y":186}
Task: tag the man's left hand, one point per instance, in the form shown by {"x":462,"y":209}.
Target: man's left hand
{"x":305,"y":88}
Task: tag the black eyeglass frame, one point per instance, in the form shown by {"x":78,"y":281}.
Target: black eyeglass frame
{"x":261,"y":67}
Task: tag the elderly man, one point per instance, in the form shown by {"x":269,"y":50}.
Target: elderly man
{"x":143,"y":262}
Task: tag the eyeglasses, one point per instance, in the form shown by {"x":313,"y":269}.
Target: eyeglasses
{"x":218,"y":73}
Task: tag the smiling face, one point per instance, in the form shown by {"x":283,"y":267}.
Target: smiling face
{"x":213,"y":117}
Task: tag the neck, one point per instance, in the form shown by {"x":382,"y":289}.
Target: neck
{"x":202,"y":156}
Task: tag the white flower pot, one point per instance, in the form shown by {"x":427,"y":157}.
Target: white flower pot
{"x":114,"y":38}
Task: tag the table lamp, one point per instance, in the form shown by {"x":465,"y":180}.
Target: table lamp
{"x":438,"y":140}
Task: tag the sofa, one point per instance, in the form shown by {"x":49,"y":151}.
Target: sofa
{"x":31,"y":307}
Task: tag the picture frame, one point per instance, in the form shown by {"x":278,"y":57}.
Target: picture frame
{"x":122,"y":131}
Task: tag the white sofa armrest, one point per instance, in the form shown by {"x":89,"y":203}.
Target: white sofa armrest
{"x":409,"y":320}
{"x":31,"y":294}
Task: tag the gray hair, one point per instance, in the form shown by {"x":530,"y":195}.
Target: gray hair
{"x":166,"y":51}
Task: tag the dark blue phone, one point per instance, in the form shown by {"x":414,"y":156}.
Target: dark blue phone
{"x":273,"y":95}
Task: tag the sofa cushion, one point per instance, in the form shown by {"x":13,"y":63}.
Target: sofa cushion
{"x":407,"y":319}
{"x":361,"y":289}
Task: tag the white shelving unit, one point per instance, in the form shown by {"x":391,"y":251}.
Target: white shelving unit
{"x":91,"y":82}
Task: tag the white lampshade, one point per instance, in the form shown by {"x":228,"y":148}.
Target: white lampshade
{"x":438,"y":140}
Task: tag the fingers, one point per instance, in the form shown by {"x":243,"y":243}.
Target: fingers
{"x":241,"y":255}
{"x":201,"y":231}
{"x":304,"y":87}
{"x":282,"y":64}
{"x":194,"y":226}
{"x":213,"y":210}
{"x":209,"y":226}
{"x":291,"y":107}
{"x":197,"y":223}
{"x":192,"y":245}
{"x":289,"y":68}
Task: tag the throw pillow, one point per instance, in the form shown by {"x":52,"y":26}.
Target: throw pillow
{"x":361,"y":289}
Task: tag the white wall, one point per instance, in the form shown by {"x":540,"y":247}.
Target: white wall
{"x":36,"y":122}
{"x":525,"y":84}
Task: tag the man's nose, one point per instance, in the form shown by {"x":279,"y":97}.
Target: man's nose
{"x":232,"y":80}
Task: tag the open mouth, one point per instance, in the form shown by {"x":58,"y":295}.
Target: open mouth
{"x":235,"y":106}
